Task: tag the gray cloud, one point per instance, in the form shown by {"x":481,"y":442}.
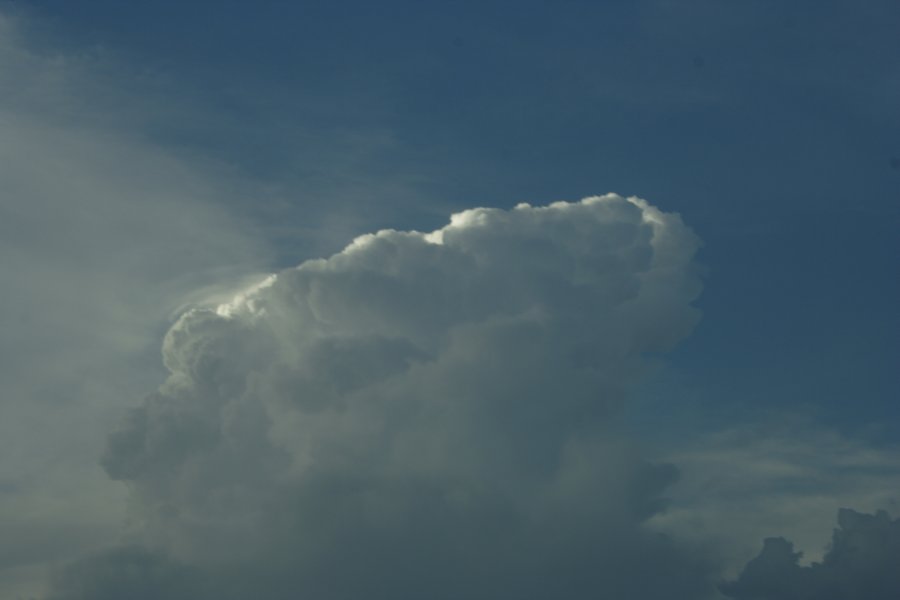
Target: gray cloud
{"x":418,"y":414}
{"x":129,"y":572}
{"x":861,"y":564}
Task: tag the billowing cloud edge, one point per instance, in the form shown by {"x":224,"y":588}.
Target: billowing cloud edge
{"x":861,"y":563}
{"x":421,"y":411}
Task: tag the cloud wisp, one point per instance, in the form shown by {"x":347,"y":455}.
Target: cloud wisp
{"x":785,"y":477}
{"x":420,"y":414}
{"x":102,"y":234}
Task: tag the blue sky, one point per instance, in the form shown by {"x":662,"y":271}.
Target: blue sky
{"x":280,"y":131}
{"x":771,"y":127}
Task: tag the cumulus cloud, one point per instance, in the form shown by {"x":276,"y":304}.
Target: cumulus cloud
{"x":417,"y":415}
{"x":860,"y":565}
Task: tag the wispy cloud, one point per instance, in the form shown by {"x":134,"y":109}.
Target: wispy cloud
{"x":101,"y":234}
{"x":775,"y":479}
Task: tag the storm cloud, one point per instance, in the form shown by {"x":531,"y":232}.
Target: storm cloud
{"x":861,"y":564}
{"x":420,"y":414}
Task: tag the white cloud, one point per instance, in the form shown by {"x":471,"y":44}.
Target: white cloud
{"x":410,"y":417}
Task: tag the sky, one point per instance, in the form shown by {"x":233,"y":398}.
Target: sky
{"x":349,"y":300}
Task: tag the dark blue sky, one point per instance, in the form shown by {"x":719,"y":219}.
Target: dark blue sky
{"x":770,"y":126}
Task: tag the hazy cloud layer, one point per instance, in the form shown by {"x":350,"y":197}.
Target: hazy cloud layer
{"x":785,"y":478}
{"x":418,"y":414}
{"x":860,"y":565}
{"x":101,"y":236}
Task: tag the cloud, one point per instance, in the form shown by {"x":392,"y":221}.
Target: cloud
{"x":129,"y":572}
{"x":861,"y":564}
{"x":420,"y":414}
{"x":102,"y":233}
{"x":784,"y":476}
